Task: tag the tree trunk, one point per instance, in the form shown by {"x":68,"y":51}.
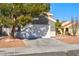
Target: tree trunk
{"x":13,"y":31}
{"x":1,"y":30}
{"x":14,"y":26}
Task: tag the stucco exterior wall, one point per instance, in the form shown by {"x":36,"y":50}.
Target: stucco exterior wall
{"x":70,"y":31}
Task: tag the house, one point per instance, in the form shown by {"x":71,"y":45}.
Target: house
{"x":52,"y":24}
{"x":68,"y":25}
{"x":41,"y":27}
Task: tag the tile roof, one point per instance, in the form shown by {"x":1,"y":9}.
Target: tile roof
{"x":68,"y":24}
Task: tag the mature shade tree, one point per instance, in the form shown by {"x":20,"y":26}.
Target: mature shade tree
{"x":19,"y":13}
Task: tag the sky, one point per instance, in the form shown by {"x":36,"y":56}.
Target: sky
{"x":64,"y":11}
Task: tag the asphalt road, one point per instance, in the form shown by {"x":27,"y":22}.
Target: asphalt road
{"x":45,"y":54}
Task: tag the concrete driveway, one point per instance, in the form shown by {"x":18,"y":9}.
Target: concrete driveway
{"x":44,"y":47}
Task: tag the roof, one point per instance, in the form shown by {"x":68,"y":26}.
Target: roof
{"x":68,"y":24}
{"x":48,"y":13}
{"x":50,"y":18}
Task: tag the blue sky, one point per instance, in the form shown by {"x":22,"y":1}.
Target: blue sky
{"x":64,"y":11}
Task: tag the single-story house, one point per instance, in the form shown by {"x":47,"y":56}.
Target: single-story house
{"x":41,"y":27}
{"x":68,"y":25}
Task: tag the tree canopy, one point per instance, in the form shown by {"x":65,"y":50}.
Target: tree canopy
{"x":18,"y":9}
{"x":19,"y":14}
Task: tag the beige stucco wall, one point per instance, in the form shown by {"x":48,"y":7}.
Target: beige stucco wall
{"x":78,"y":32}
{"x":70,"y":31}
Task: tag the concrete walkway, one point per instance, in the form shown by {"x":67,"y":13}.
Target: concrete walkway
{"x":48,"y":46}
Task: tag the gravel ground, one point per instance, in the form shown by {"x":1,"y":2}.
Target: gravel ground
{"x":6,"y":42}
{"x":68,"y":39}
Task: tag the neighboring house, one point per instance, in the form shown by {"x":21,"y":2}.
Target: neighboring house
{"x":68,"y":25}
